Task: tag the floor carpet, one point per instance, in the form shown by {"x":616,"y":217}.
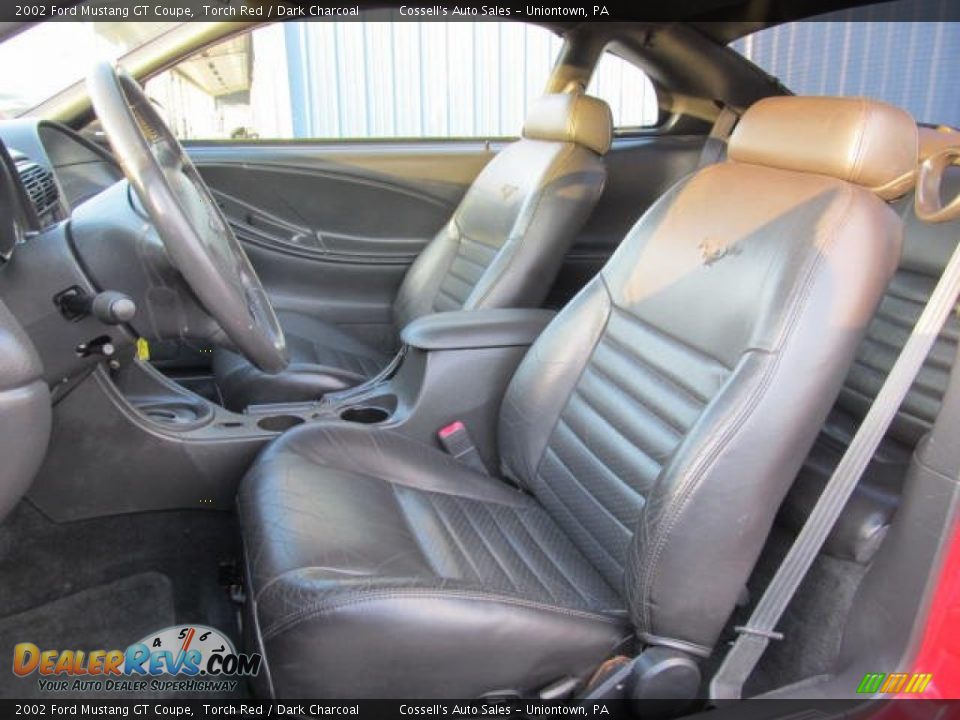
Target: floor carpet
{"x":812,"y":624}
{"x":107,"y":582}
{"x":105,"y":617}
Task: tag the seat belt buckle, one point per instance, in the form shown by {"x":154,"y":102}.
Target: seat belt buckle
{"x":456,"y":440}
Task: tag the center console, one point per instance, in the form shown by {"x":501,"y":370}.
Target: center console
{"x":159,"y":446}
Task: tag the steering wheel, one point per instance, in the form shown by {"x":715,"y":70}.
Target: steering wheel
{"x":195,"y":233}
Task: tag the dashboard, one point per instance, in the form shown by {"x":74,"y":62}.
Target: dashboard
{"x":54,"y":170}
{"x":49,"y":177}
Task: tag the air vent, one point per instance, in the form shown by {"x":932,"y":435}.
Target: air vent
{"x":40,"y":187}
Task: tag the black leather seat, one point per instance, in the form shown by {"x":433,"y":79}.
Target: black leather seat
{"x":864,"y":523}
{"x":502,"y":248}
{"x":654,"y":427}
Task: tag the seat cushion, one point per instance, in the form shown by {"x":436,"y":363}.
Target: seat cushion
{"x":323,"y":358}
{"x":380,"y":566}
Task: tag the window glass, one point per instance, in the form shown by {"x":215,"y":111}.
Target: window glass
{"x":32,"y":73}
{"x":908,"y":64}
{"x":628,"y":91}
{"x":333,"y":80}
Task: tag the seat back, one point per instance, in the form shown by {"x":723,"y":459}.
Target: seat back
{"x":663,"y":414}
{"x":927,"y":248}
{"x":504,"y":244}
{"x":867,"y":516}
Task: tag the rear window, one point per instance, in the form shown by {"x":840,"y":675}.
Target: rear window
{"x":874,"y":54}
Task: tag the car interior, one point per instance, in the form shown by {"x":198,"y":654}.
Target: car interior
{"x":428,"y":418}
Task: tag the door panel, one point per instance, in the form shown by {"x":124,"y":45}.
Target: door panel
{"x":639,"y":171}
{"x":332,"y":227}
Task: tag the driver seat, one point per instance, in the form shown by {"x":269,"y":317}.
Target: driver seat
{"x":649,"y":436}
{"x":502,"y":248}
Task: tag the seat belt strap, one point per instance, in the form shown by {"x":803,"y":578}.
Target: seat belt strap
{"x":754,"y":637}
{"x":716,"y":143}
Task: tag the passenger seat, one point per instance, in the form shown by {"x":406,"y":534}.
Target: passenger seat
{"x":502,"y":248}
{"x":864,"y":523}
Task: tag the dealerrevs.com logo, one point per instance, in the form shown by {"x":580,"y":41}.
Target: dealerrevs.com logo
{"x":192,"y":658}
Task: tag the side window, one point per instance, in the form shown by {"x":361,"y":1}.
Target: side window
{"x":360,"y":80}
{"x":909,"y":64}
{"x":628,"y":90}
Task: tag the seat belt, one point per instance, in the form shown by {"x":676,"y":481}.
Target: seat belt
{"x":754,"y":637}
{"x":716,"y":143}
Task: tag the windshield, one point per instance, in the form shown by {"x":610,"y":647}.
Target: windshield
{"x":51,"y":56}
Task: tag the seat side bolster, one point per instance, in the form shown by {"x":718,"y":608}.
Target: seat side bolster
{"x":543,"y":231}
{"x":547,"y":375}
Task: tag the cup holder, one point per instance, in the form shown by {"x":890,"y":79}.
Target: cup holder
{"x":174,"y":413}
{"x":364,"y":415}
{"x":279,"y":423}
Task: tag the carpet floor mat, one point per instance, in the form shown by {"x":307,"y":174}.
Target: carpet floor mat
{"x":104,"y":583}
{"x":106,"y":617}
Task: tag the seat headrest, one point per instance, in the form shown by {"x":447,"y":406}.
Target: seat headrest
{"x":571,"y":117}
{"x":862,"y":141}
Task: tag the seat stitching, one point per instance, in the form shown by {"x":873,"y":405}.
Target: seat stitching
{"x":579,"y":522}
{"x":880,"y":373}
{"x":441,"y":291}
{"x":502,"y":565}
{"x":482,"y":264}
{"x":461,"y":278}
{"x":904,"y":411}
{"x":515,"y":547}
{"x":542,"y":548}
{"x":630,"y":317}
{"x":662,"y":375}
{"x":586,"y":491}
{"x":493,"y":248}
{"x":412,"y":530}
{"x":456,"y":539}
{"x":606,"y":468}
{"x":648,"y":408}
{"x":643,"y":403}
{"x":556,"y":422}
{"x":456,"y":281}
{"x":536,"y":546}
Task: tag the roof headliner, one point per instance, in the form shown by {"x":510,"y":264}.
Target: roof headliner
{"x":721,"y":20}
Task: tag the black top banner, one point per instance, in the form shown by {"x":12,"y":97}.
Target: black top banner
{"x":569,"y":13}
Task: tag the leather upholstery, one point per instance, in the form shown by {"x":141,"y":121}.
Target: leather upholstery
{"x":847,"y":139}
{"x":571,"y":117}
{"x":382,"y":567}
{"x":506,"y":241}
{"x":502,"y":248}
{"x":866,"y":519}
{"x":637,"y":436}
{"x":656,"y":425}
